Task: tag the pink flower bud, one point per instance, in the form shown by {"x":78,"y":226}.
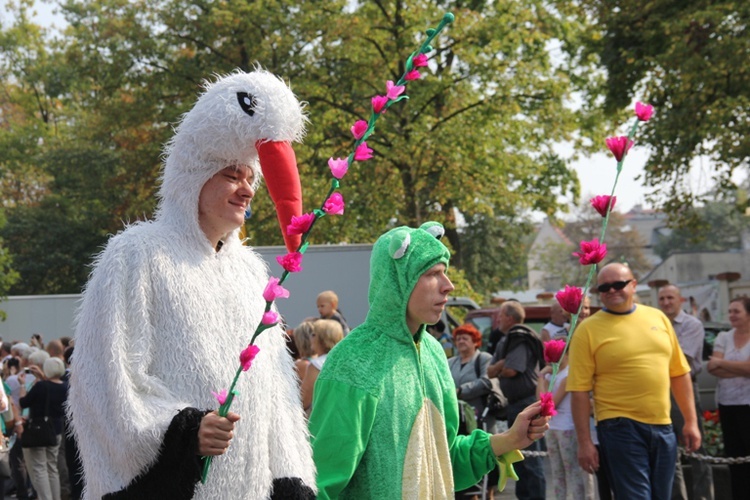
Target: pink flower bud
{"x":548,"y":405}
{"x":601,"y":203}
{"x":220,"y":396}
{"x":392,"y":90}
{"x":553,"y":350}
{"x":570,"y":298}
{"x":359,"y":128}
{"x":291,"y":262}
{"x":378,"y":102}
{"x":269,"y":318}
{"x":644,"y":112}
{"x":247,"y":356}
{"x":338,"y":167}
{"x":592,"y":252}
{"x":274,"y":291}
{"x":412,"y":75}
{"x":300,"y":224}
{"x":334,"y":205}
{"x":362,"y":152}
{"x":619,"y":146}
{"x":419,"y":61}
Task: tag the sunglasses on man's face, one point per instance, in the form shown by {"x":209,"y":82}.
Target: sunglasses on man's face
{"x":616,"y":285}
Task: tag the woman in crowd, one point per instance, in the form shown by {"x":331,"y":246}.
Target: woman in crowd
{"x":326,"y":334}
{"x":731,"y":363}
{"x":45,"y":399}
{"x":568,"y":478}
{"x":303,"y":335}
{"x":469,"y":370}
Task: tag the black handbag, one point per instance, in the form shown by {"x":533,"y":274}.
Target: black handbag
{"x":39,"y":431}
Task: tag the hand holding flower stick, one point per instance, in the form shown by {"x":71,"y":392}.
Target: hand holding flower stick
{"x":333,"y":204}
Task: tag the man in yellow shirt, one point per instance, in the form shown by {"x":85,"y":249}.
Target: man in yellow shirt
{"x":628,"y":355}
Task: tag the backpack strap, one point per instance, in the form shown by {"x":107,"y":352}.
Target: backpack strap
{"x":476,"y":366}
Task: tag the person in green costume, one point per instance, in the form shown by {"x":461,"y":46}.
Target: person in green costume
{"x":385,"y":412}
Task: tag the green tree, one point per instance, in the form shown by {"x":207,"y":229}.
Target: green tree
{"x":719,"y":227}
{"x":475,"y":141}
{"x":8,"y":275}
{"x":687,"y":58}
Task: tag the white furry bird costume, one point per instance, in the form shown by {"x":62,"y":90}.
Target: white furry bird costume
{"x":165,"y":316}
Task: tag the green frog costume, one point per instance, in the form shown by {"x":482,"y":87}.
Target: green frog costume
{"x":385,"y":413}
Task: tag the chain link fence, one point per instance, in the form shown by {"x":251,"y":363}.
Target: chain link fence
{"x":698,"y":456}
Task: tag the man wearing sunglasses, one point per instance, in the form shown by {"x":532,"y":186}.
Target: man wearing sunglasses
{"x":628,"y":355}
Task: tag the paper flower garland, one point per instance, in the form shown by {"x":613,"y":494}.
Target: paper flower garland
{"x":333,"y":204}
{"x":592,"y":252}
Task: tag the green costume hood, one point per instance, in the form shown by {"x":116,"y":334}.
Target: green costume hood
{"x":399,"y":258}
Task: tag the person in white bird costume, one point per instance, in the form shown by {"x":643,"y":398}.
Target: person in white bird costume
{"x":172,"y":302}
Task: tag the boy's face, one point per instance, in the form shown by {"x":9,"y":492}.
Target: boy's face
{"x":428,"y":298}
{"x":325,"y":308}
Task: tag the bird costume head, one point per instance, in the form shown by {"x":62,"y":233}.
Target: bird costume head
{"x":241,"y":119}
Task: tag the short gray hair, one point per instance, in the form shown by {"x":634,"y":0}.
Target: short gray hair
{"x":38,"y":358}
{"x":54,"y":368}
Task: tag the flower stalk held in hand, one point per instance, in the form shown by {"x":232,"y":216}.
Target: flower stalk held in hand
{"x":333,"y":204}
{"x":594,"y":251}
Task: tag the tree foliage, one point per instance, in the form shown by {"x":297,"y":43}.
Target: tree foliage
{"x":92,"y":107}
{"x":688,"y":59}
{"x":719,"y":227}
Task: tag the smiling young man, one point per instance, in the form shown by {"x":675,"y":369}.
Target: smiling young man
{"x":170,"y":305}
{"x":629,"y":356}
{"x":385,"y":414}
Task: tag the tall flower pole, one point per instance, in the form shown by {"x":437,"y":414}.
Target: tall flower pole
{"x":333,"y":204}
{"x":592,"y":252}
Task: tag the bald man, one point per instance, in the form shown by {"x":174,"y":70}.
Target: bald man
{"x":557,"y":328}
{"x":690,"y":335}
{"x":628,"y":355}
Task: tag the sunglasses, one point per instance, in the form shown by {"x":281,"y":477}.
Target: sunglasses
{"x":615,"y":285}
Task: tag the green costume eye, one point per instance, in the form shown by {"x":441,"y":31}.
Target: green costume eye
{"x":434,"y":228}
{"x":399,"y":244}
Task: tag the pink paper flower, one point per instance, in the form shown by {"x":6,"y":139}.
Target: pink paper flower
{"x":419,"y":61}
{"x":269,"y":318}
{"x":291,"y":262}
{"x":392,"y":90}
{"x":378,"y":102}
{"x":220,"y":396}
{"x":334,"y":205}
{"x":362,"y":152}
{"x":601,"y":203}
{"x":570,"y":298}
{"x":274,"y":291}
{"x":592,"y":252}
{"x":300,"y":224}
{"x":644,"y":112}
{"x":412,"y":75}
{"x":548,"y":405}
{"x":553,"y":350}
{"x":619,"y":146}
{"x":247,"y":356}
{"x":338,"y":167}
{"x":359,"y":128}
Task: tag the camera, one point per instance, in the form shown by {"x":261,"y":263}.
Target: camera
{"x":27,"y":370}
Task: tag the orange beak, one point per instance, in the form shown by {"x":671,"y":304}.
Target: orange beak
{"x":279,"y":166}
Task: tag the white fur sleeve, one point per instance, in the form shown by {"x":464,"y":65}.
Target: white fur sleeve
{"x":119,"y":412}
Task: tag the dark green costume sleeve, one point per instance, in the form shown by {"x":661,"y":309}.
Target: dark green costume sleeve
{"x":340,"y":426}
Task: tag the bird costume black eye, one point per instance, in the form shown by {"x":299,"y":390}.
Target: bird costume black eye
{"x":247,"y":102}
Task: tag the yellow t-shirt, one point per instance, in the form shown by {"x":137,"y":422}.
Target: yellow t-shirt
{"x":627,"y":360}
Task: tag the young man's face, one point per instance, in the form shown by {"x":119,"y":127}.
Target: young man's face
{"x":325,"y":308}
{"x":223,"y":200}
{"x":428,"y":298}
{"x":670,"y":301}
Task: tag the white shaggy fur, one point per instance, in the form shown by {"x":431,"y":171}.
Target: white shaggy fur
{"x":164,"y":318}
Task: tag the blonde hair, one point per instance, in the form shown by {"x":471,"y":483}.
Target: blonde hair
{"x":330,"y":296}
{"x":302,"y":336}
{"x":329,"y":333}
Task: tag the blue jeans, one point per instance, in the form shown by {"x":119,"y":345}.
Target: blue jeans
{"x":531,"y":484}
{"x":640,"y":458}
